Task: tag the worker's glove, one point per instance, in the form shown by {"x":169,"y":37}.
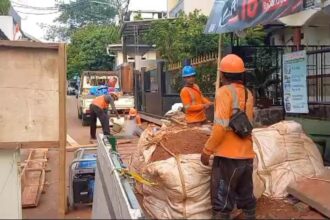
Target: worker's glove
{"x":114,"y":96}
{"x":205,"y":159}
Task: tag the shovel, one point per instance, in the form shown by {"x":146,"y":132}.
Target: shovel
{"x":117,"y":122}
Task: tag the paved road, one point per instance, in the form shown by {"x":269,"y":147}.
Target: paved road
{"x":74,"y":127}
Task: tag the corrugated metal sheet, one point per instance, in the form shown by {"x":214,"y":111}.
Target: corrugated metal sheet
{"x":113,"y":196}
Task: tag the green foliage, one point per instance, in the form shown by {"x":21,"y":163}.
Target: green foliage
{"x":181,"y":38}
{"x":87,"y":50}
{"x":57,"y":32}
{"x":255,"y":36}
{"x":4,"y":7}
{"x":79,"y":13}
{"x":205,"y":78}
{"x":264,"y":70}
{"x":138,"y":17}
{"x":82,"y":12}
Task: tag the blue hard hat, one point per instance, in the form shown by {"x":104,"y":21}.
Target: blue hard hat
{"x":188,"y":71}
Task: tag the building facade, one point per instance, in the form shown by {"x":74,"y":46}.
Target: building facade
{"x":175,"y":7}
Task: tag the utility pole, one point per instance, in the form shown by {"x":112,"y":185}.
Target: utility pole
{"x":217,"y":84}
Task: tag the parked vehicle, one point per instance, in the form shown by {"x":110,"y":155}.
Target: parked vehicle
{"x":72,"y":87}
{"x":90,"y":79}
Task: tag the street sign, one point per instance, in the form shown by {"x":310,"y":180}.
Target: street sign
{"x":235,"y":15}
{"x":295,"y":82}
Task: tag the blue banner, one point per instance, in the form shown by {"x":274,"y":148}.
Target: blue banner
{"x":236,"y":15}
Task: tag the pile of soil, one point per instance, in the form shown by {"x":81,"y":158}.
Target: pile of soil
{"x":183,"y":142}
{"x":279,"y":209}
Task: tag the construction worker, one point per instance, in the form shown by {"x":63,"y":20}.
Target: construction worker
{"x":194,"y":103}
{"x":133,"y":114}
{"x":99,"y":109}
{"x":232,"y":167}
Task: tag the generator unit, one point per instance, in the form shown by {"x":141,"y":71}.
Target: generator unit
{"x":82,"y":177}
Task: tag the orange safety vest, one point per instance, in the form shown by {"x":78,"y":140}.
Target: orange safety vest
{"x":193,"y":102}
{"x":223,"y":141}
{"x":100,"y":102}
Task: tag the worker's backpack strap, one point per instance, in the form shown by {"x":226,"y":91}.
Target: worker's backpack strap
{"x":222,"y":122}
{"x":225,"y":122}
{"x":235,"y":104}
{"x":239,"y":122}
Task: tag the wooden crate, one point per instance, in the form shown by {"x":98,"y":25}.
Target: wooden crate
{"x":33,"y":97}
{"x":32,"y":91}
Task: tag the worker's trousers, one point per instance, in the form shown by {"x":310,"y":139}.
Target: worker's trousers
{"x":232,"y":184}
{"x":97,"y":112}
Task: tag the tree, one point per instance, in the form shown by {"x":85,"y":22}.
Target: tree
{"x":264,"y":70}
{"x":4,"y":7}
{"x":80,"y":13}
{"x":87,"y":50}
{"x":205,"y":78}
{"x":183,"y":37}
{"x":177,"y":39}
{"x":138,"y":17}
{"x":254,"y":36}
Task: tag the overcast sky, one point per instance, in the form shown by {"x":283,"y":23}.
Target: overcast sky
{"x":30,"y":21}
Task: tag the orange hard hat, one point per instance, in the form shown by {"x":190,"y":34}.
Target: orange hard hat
{"x":132,"y":112}
{"x":232,"y":64}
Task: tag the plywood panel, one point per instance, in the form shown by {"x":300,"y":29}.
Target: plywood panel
{"x":29,"y":94}
{"x":314,"y":192}
{"x":10,"y":182}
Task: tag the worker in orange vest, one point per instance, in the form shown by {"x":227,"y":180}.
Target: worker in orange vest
{"x":99,"y":109}
{"x":133,"y":114}
{"x":233,"y":155}
{"x":194,"y":103}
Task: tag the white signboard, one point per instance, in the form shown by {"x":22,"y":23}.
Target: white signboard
{"x":295,"y":82}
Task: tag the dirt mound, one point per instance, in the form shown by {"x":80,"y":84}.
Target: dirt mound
{"x":183,"y":142}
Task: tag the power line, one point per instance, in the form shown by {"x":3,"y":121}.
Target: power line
{"x":16,"y":4}
{"x":77,"y":4}
{"x":33,"y":13}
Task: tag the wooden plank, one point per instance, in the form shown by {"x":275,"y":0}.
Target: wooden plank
{"x":26,"y":44}
{"x":30,"y":144}
{"x":29,"y":89}
{"x":313,"y":192}
{"x":71,"y":141}
{"x":77,"y":146}
{"x":74,"y":148}
{"x":35,"y":179}
{"x":62,"y":128}
{"x":37,"y":159}
{"x":150,"y":119}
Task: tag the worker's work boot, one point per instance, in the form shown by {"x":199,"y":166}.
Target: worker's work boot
{"x":220,"y":215}
{"x":249,"y":214}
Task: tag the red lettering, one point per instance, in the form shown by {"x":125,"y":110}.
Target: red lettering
{"x":252,"y":8}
